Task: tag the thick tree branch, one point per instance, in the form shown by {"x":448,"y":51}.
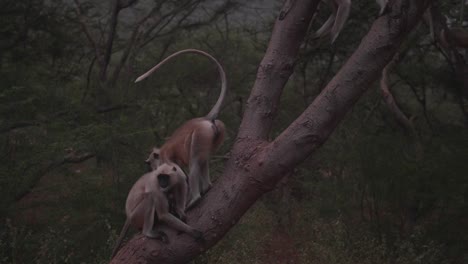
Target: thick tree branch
{"x":276,"y":67}
{"x":318,"y":121}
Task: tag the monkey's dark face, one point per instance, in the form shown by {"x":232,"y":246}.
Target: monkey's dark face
{"x":164,"y":180}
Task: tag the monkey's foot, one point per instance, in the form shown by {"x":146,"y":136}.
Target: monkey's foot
{"x":159,"y":235}
{"x":193,"y":201}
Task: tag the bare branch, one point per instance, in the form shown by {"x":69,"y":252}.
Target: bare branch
{"x":85,"y":29}
{"x":110,"y":40}
{"x":69,"y":158}
{"x":390,"y":100}
{"x":88,"y":79}
{"x":20,"y":124}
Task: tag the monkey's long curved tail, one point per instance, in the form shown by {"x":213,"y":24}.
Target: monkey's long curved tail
{"x":122,"y":235}
{"x":214,"y":112}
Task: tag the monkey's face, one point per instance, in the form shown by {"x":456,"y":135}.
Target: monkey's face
{"x":163,"y":181}
{"x":153,"y":160}
{"x":167,"y":176}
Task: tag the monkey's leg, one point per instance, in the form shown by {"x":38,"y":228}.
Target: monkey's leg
{"x":148,"y":206}
{"x":180,"y":199}
{"x":194,"y":182}
{"x":162,"y":210}
{"x":205,"y":182}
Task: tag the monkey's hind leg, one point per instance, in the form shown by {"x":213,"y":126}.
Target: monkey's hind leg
{"x":205,"y":182}
{"x":194,"y":182}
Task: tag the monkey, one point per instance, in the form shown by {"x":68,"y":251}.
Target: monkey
{"x":147,"y":200}
{"x":336,"y":20}
{"x":153,"y":163}
{"x":153,"y":160}
{"x":194,"y":141}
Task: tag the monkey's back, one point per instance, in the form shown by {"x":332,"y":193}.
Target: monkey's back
{"x":182,"y":136}
{"x":135,"y":196}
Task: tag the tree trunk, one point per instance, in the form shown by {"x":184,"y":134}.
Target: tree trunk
{"x":256,"y":165}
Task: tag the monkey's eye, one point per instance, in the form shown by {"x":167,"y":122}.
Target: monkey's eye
{"x":156,"y":155}
{"x":174,"y":169}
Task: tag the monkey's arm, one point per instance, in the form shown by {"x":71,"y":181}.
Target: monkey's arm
{"x":180,"y":195}
{"x":148,"y":204}
{"x":178,"y":225}
{"x":162,"y":209}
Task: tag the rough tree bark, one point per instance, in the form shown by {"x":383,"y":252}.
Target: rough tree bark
{"x":256,"y":164}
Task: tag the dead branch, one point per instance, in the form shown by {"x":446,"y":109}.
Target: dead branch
{"x":390,"y":100}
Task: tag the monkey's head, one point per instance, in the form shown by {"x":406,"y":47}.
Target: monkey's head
{"x":153,"y":160}
{"x":168,"y":175}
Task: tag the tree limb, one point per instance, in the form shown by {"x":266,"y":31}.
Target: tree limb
{"x":110,"y":40}
{"x":274,"y":70}
{"x":85,"y":29}
{"x":318,"y":121}
{"x":390,"y":100}
{"x":69,"y":158}
{"x":20,"y":124}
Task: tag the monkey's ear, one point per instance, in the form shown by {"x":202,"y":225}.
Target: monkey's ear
{"x":163,"y":180}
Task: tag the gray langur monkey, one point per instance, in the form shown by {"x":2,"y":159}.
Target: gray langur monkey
{"x":147,"y":199}
{"x":194,"y":141}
